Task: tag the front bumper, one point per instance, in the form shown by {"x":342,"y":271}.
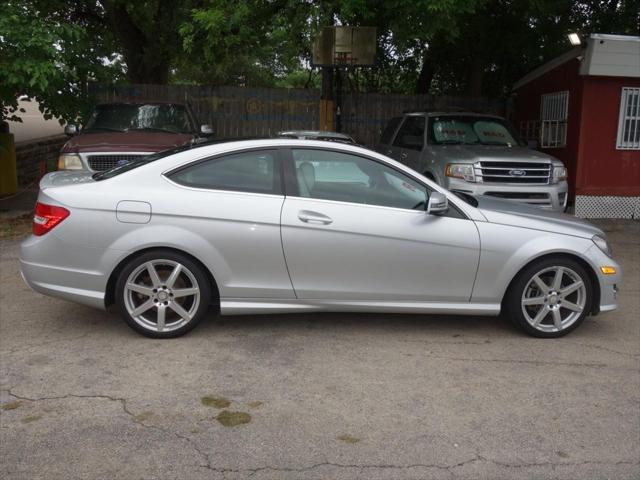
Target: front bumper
{"x":608,"y":283}
{"x":551,"y":197}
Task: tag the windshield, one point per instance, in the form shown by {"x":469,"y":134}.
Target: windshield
{"x":151,"y":117}
{"x":471,"y":130}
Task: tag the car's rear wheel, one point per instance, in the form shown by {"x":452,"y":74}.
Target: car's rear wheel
{"x":163,"y":294}
{"x":550,"y":298}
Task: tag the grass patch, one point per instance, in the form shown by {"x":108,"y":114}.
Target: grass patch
{"x":31,"y":418}
{"x":348,"y":439}
{"x":11,"y":228}
{"x":215,"y":402}
{"x":11,"y":405}
{"x":143,"y":416}
{"x":233,"y":419}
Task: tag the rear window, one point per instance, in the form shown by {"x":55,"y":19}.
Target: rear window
{"x":253,"y":171}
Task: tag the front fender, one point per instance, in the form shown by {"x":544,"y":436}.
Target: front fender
{"x":505,"y":250}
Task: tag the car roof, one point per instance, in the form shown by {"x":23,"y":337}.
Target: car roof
{"x":460,"y":113}
{"x":316,"y":134}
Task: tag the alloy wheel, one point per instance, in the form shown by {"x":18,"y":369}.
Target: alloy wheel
{"x":554,"y":299}
{"x":161,"y":295}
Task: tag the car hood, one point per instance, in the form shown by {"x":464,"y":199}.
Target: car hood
{"x":132,"y":141}
{"x":508,"y":212}
{"x":490,"y":153}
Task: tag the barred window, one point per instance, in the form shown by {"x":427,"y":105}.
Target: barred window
{"x":629,"y":120}
{"x":554,"y":110}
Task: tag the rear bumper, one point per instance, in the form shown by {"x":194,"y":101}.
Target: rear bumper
{"x":61,"y":283}
{"x":56,"y":268}
{"x":550,"y":197}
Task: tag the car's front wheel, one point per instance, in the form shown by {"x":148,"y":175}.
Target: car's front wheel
{"x":550,"y":298}
{"x":163,"y":294}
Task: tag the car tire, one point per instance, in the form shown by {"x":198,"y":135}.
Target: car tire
{"x":163,"y":294}
{"x":550,"y":297}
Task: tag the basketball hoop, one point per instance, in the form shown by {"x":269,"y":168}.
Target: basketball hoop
{"x":344,"y":46}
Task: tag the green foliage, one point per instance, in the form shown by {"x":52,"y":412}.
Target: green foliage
{"x":46,"y":56}
{"x":50,"y":49}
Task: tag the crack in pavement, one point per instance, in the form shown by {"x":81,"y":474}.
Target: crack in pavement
{"x":26,"y":348}
{"x":530,"y":362}
{"x":606,"y":349}
{"x":253,"y":471}
{"x":125,"y":409}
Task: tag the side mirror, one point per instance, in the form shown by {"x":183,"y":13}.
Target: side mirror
{"x":206,"y":129}
{"x":437,"y":204}
{"x":71,"y":130}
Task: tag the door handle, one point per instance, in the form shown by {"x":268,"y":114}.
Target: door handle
{"x":314,"y":217}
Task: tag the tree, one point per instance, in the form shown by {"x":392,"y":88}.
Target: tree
{"x":50,"y":59}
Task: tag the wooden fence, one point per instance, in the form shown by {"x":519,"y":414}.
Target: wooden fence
{"x":250,"y":111}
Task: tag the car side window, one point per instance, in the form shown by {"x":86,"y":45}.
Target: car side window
{"x":343,"y":177}
{"x":389,"y":130}
{"x":411,"y":133}
{"x":253,"y":171}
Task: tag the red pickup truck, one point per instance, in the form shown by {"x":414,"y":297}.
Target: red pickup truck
{"x":117,"y":133}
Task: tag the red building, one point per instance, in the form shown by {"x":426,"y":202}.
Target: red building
{"x":583,"y":108}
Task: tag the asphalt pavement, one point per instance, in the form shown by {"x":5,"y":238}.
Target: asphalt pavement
{"x":318,"y":396}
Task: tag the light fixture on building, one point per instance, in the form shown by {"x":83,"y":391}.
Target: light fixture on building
{"x":574,"y":38}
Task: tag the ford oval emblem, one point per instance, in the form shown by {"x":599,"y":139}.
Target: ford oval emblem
{"x":517,"y":173}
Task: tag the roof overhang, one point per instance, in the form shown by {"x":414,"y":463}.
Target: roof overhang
{"x":601,"y":54}
{"x":550,"y":65}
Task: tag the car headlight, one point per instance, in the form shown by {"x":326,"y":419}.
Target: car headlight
{"x":602,"y":244}
{"x":460,"y":170}
{"x":559,"y":174}
{"x":69,"y":162}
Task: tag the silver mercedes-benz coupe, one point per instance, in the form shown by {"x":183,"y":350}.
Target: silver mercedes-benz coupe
{"x":285,"y":225}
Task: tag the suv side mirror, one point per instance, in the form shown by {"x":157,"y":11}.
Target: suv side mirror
{"x":437,"y":204}
{"x":71,"y":130}
{"x":206,"y":129}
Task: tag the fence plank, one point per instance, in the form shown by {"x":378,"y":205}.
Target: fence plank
{"x":254,"y":112}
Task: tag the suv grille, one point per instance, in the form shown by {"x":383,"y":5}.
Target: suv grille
{"x":105,"y":162}
{"x":513,"y":172}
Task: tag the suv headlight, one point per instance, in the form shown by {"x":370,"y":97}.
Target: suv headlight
{"x":460,"y":170}
{"x":559,"y":174}
{"x":602,"y":244}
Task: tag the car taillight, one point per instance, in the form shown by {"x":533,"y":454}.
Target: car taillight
{"x":46,"y":217}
